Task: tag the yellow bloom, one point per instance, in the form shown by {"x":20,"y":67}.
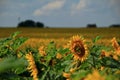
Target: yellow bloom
{"x":102,"y":68}
{"x":116,"y":47}
{"x":66,"y":75}
{"x":42,"y":51}
{"x":58,"y":56}
{"x":78,"y":48}
{"x":105,"y":54}
{"x":72,"y":70}
{"x":118,"y":51}
{"x":32,"y":67}
{"x":115,"y":57}
{"x":18,"y":55}
{"x":110,"y":54}
{"x":94,"y":76}
{"x":115,"y":43}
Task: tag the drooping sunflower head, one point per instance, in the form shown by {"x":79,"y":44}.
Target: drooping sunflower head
{"x":32,"y":66}
{"x":78,"y":48}
{"x":42,"y":51}
{"x":115,"y":43}
{"x":116,"y":46}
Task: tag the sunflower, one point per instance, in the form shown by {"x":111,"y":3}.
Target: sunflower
{"x":115,"y":44}
{"x":105,"y":54}
{"x":66,"y":75}
{"x":58,"y":56}
{"x":94,"y":76}
{"x":78,"y":48}
{"x":32,"y":67}
{"x":42,"y":51}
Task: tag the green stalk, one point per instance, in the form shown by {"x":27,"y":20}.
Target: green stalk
{"x":43,"y":77}
{"x":94,"y":64}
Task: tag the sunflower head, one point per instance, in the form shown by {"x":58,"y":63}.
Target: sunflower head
{"x":42,"y":51}
{"x":105,"y":54}
{"x":78,"y":48}
{"x":115,"y":44}
{"x":32,"y":66}
{"x":94,"y":76}
{"x":58,"y":56}
{"x":66,"y":75}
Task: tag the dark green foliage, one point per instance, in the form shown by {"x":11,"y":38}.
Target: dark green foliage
{"x":10,"y":46}
{"x":10,"y":65}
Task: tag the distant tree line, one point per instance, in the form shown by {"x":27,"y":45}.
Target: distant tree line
{"x":95,"y":26}
{"x":30,"y":23}
{"x":91,"y":26}
{"x":115,"y":26}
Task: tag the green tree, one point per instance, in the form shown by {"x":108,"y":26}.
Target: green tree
{"x":30,"y":23}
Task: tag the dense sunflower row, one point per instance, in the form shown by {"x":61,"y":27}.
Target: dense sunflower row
{"x":77,"y":60}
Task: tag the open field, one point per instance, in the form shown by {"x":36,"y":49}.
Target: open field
{"x":42,"y":36}
{"x":38,"y":36}
{"x":61,"y":36}
{"x":46,"y":33}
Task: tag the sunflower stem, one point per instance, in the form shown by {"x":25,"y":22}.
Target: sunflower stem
{"x":94,"y":62}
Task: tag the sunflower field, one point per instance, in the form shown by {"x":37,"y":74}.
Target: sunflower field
{"x":77,"y":59}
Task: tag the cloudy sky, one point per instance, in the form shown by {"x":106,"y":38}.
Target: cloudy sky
{"x":60,"y":13}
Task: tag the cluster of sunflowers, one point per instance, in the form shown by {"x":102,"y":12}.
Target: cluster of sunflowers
{"x":75,"y":61}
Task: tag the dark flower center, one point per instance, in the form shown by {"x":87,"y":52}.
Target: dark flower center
{"x":79,"y":50}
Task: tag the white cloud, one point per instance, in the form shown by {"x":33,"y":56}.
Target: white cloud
{"x":81,"y":5}
{"x":93,"y":6}
{"x":48,"y":8}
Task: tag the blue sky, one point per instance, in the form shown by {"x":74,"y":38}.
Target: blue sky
{"x":60,"y":13}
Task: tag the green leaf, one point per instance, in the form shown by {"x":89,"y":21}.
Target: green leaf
{"x":17,"y":43}
{"x":14,"y":34}
{"x":9,"y":46}
{"x":12,"y":63}
{"x":110,"y":62}
{"x":45,"y":74}
{"x":96,"y":39}
{"x":80,"y":74}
